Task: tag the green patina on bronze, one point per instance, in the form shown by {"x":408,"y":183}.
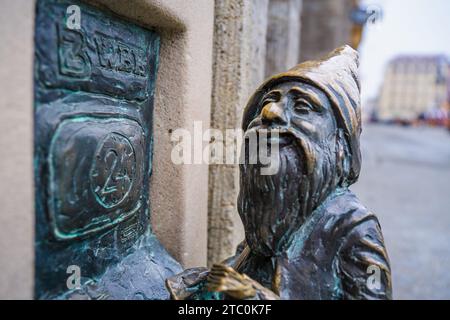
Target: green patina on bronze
{"x":94,"y":87}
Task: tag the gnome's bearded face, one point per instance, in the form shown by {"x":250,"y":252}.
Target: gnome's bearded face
{"x":311,"y":114}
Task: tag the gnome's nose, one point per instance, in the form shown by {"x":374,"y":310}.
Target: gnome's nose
{"x":273,"y":112}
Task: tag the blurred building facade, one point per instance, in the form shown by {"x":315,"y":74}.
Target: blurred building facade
{"x":413,"y":87}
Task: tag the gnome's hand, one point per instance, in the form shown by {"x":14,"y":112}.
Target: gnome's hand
{"x":225,"y":279}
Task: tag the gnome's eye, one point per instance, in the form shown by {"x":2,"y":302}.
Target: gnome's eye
{"x":303,"y":106}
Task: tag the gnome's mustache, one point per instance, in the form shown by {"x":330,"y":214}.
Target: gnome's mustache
{"x":273,"y":207}
{"x":272,"y":139}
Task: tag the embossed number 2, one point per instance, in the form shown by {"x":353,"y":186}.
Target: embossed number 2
{"x":106,"y":189}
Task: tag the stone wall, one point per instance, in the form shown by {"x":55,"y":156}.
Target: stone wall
{"x":16,"y":141}
{"x":238,"y":67}
{"x":283,"y":35}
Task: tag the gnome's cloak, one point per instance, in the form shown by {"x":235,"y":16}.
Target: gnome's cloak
{"x":339,"y":252}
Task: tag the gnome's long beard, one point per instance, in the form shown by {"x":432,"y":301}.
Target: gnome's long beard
{"x":273,"y":207}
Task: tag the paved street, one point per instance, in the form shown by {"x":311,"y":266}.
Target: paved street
{"x":405,"y":180}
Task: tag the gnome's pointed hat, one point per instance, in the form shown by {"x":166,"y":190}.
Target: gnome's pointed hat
{"x":337,"y":76}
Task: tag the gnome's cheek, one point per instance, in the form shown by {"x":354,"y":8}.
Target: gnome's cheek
{"x":306,"y":126}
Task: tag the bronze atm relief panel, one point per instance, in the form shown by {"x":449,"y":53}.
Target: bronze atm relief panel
{"x":94,"y":85}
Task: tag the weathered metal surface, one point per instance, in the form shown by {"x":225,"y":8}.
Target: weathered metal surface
{"x":93,"y":155}
{"x":307,"y":236}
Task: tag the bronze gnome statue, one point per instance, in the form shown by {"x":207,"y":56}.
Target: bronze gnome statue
{"x":307,"y":236}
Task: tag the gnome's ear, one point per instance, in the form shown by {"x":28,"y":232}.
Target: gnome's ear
{"x":342,"y":157}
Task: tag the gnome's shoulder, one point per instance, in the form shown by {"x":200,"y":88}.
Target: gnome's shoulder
{"x":354,"y":235}
{"x":332,"y":222}
{"x":343,"y":213}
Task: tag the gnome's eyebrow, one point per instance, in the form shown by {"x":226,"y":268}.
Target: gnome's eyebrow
{"x":308,"y":94}
{"x":273,"y":95}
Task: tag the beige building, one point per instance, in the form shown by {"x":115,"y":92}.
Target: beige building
{"x":412,"y":86}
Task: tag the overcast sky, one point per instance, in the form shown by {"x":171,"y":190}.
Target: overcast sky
{"x":406,"y":27}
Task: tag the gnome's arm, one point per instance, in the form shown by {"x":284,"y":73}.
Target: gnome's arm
{"x":364,"y":264}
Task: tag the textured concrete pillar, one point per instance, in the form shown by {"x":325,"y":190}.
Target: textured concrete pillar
{"x":283,"y":35}
{"x":238,"y":67}
{"x":16,"y":142}
{"x":326,"y":25}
